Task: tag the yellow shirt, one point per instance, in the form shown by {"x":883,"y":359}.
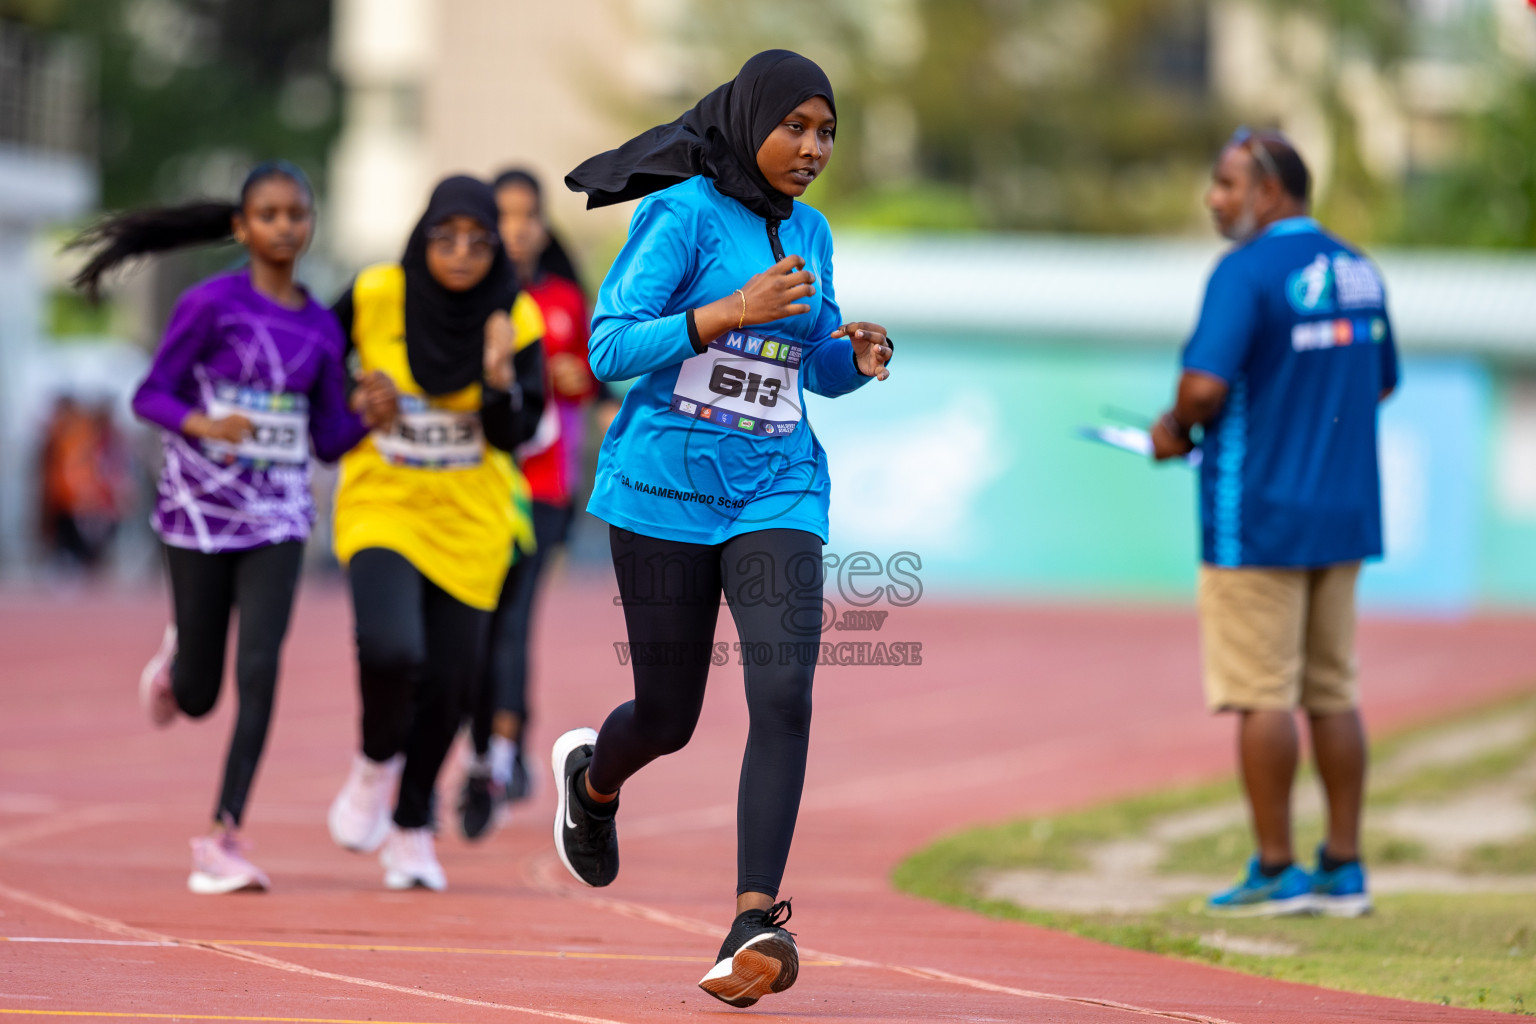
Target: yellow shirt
{"x":431,"y":488}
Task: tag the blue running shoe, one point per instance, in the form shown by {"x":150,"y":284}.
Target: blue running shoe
{"x":1288,"y":893}
{"x":1340,"y":892}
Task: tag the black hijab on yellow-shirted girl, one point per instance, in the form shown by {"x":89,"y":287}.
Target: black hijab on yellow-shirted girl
{"x":445,"y":329}
{"x":718,"y":138}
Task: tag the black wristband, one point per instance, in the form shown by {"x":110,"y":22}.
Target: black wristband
{"x":693,"y":333}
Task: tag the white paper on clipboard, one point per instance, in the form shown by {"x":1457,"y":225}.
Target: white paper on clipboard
{"x":1129,"y":439}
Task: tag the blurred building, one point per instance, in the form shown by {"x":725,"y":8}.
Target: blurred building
{"x":47,"y":175}
{"x":1373,"y":96}
{"x":438,"y":86}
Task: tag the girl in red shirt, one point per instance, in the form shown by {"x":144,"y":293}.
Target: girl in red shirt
{"x":551,"y":462}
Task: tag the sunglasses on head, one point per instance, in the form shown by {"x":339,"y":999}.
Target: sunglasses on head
{"x":1247,"y":138}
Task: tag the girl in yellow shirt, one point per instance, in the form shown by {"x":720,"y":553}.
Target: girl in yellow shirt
{"x":426,"y":515}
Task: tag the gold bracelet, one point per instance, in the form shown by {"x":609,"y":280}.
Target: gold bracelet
{"x":742,"y":322}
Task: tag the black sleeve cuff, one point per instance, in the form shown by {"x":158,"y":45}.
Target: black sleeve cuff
{"x":693,"y":333}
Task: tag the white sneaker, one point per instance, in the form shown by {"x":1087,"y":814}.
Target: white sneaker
{"x":359,"y":816}
{"x":155,"y":694}
{"x":410,"y":860}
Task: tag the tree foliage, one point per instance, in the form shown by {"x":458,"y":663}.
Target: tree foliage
{"x":1048,"y":115}
{"x":1100,"y":115}
{"x":191,"y":92}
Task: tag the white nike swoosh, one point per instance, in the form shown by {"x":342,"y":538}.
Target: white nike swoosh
{"x":569,"y":796}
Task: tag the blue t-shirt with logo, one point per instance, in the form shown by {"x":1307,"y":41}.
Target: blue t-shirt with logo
{"x":1295,"y":323}
{"x":711,"y":445}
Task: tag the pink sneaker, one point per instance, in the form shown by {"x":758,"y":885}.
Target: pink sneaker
{"x":219,"y":866}
{"x":409,"y":858}
{"x":359,"y":818}
{"x":155,"y":683}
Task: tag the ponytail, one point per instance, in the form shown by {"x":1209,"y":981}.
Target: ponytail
{"x":140,"y":232}
{"x":125,"y":236}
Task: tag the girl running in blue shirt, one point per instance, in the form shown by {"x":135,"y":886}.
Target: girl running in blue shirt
{"x":721,"y":304}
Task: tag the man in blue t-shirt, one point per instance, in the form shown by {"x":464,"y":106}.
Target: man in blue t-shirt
{"x":1291,"y":357}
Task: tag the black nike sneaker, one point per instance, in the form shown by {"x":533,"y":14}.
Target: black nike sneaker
{"x":520,"y":786}
{"x":587,"y":843}
{"x":758,"y":957}
{"x":477,"y":804}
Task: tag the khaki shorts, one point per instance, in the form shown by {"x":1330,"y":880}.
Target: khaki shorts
{"x":1279,"y":639}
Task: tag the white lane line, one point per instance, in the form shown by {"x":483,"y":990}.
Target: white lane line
{"x":28,"y":803}
{"x":66,"y":821}
{"x":113,"y":1015}
{"x":934,"y":974}
{"x":116,"y":927}
{"x":81,"y":942}
{"x":373,"y":947}
{"x":544,"y":873}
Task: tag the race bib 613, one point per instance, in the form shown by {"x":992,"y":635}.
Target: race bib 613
{"x":745,"y":382}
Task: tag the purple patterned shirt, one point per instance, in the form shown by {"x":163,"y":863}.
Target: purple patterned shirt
{"x":230,"y":349}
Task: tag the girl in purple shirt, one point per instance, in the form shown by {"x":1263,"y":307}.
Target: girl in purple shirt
{"x":250,"y":372}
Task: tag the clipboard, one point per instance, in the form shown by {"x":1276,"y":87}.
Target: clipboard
{"x":1130,"y":439}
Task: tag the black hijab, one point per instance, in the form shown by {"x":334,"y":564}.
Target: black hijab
{"x":445,"y":330}
{"x":719,"y":138}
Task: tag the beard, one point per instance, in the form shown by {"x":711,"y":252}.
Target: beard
{"x":1245,"y":225}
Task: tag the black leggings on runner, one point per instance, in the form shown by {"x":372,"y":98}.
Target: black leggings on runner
{"x":772,"y":580}
{"x":418,"y":650}
{"x":204,"y":589}
{"x":503,"y":684}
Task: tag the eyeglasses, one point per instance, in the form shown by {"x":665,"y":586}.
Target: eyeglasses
{"x":479,"y":243}
{"x":1254,"y":143}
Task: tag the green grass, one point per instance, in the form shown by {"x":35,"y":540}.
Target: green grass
{"x":1516,"y":858}
{"x":1439,"y":781}
{"x":1216,"y":853}
{"x":1468,"y":950}
{"x":1055,"y":843}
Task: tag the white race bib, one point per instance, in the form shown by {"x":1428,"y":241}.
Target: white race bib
{"x":279,"y":424}
{"x":745,"y":382}
{"x":424,"y":437}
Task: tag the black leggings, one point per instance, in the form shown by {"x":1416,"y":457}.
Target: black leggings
{"x":671,"y":590}
{"x":503,"y":684}
{"x":204,"y":589}
{"x":417,"y":655}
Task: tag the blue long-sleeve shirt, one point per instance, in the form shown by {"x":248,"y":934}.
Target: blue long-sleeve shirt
{"x":708,"y":446}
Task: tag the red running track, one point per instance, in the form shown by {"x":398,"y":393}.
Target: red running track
{"x":1014,"y":710}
